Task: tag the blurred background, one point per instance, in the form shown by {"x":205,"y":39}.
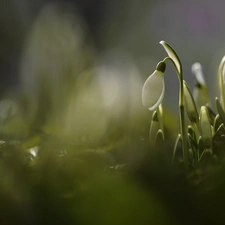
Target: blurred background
{"x":71,"y":79}
{"x":194,"y":29}
{"x":53,"y":48}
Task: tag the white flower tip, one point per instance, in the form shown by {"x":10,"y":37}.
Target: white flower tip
{"x":203,"y":109}
{"x":204,"y":114}
{"x":196,"y":66}
{"x":162,"y":42}
{"x":197,"y":71}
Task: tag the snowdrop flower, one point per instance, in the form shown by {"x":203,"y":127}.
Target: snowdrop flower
{"x":154,"y":88}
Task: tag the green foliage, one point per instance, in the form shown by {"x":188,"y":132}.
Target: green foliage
{"x":203,"y":131}
{"x":92,"y":167}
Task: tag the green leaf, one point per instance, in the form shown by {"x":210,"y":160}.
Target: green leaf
{"x":206,"y":156}
{"x":220,"y":110}
{"x":220,"y":131}
{"x":205,"y":128}
{"x":173,"y":55}
{"x":194,"y":147}
{"x":211,"y":114}
{"x":177,"y":147}
{"x":159,"y":139}
{"x":200,"y":146}
{"x":221,"y":80}
{"x":191,"y":109}
{"x":192,"y":135}
{"x":219,"y":142}
{"x":160,"y":116}
{"x":154,"y":127}
{"x":217,"y":122}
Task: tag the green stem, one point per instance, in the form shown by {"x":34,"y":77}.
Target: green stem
{"x":181,"y":113}
{"x":183,"y":135}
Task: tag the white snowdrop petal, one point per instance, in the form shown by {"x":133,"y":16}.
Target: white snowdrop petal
{"x":153,"y":90}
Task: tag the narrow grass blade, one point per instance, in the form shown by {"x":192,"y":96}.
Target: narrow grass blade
{"x":159,"y":139}
{"x":193,"y":143}
{"x":211,"y":114}
{"x":206,"y":157}
{"x":200,"y":147}
{"x":192,"y":134}
{"x":177,"y":147}
{"x":160,"y":145}
{"x":217,"y":122}
{"x":154,"y":127}
{"x":193,"y":147}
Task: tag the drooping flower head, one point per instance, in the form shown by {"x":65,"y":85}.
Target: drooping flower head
{"x":154,"y":88}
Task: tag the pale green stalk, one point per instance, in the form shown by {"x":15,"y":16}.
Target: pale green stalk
{"x":175,"y":60}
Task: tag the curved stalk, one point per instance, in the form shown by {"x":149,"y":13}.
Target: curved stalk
{"x":181,"y":109}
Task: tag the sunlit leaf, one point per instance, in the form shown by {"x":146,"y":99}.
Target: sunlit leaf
{"x":172,"y":54}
